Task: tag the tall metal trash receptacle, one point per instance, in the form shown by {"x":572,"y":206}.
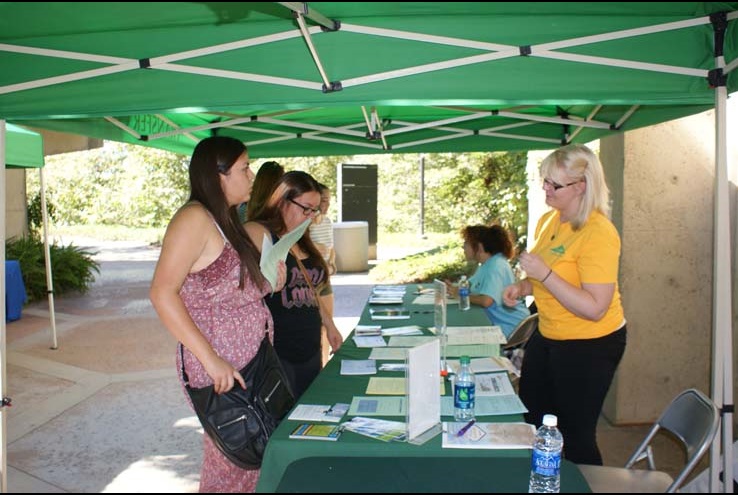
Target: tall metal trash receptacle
{"x":351,"y":243}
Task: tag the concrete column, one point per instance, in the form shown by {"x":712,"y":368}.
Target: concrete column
{"x":661,"y":179}
{"x":15,"y":202}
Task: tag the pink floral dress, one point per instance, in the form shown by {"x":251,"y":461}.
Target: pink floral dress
{"x":234,"y":322}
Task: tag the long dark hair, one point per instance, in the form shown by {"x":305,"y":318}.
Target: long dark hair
{"x":266,"y":178}
{"x":212,"y":157}
{"x":291,"y":185}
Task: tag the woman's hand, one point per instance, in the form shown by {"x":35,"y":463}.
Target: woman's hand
{"x":281,"y":276}
{"x":533,"y":266}
{"x":223,"y":374}
{"x":335,"y":339}
{"x":512,"y":294}
{"x":452,"y":291}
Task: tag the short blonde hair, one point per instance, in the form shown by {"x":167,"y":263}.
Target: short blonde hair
{"x":578,"y":162}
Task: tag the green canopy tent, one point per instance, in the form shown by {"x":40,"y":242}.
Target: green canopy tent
{"x":296,"y":79}
{"x":25,"y":149}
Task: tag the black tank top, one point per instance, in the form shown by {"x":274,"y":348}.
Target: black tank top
{"x":295,"y":311}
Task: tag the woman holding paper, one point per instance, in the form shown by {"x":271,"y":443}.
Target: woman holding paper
{"x":299,"y":309}
{"x":572,"y":271}
{"x":207,"y":288}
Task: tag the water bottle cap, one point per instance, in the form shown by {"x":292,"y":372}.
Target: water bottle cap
{"x":464,"y":360}
{"x":463,"y":277}
{"x":550,"y":420}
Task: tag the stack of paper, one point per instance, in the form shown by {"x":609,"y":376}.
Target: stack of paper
{"x":389,"y":289}
{"x":406,"y":330}
{"x":381,"y":429}
{"x":358,"y":367}
{"x":367,"y":330}
{"x":385,"y":299}
{"x":370,"y":341}
{"x":394,"y":313}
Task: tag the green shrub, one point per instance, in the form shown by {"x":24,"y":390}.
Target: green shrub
{"x":73,"y":268}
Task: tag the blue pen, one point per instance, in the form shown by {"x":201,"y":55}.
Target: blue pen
{"x":465,"y":428}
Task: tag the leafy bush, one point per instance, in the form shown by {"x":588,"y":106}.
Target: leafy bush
{"x":35,"y":214}
{"x":73,"y":268}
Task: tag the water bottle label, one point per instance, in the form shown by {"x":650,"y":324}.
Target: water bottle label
{"x":464,"y":396}
{"x":463,"y":291}
{"x":546,"y":463}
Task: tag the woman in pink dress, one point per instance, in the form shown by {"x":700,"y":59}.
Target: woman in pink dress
{"x":208,"y":289}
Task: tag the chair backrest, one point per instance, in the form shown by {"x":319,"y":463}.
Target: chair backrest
{"x":693,"y":418}
{"x":519,"y":337}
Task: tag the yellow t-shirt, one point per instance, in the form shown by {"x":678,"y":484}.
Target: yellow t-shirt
{"x":589,"y":255}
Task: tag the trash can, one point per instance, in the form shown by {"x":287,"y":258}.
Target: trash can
{"x":351,"y":242}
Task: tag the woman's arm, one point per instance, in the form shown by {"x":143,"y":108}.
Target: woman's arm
{"x":590,"y":301}
{"x":335,"y":339}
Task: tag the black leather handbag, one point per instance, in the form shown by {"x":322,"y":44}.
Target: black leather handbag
{"x":240,"y":421}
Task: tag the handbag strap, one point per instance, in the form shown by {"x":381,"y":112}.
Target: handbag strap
{"x":307,"y":279}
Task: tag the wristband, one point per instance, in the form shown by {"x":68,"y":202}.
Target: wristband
{"x":550,"y":270}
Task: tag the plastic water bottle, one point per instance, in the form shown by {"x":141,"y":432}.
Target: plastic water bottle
{"x":464,"y":303}
{"x":546,"y":460}
{"x":464,"y":389}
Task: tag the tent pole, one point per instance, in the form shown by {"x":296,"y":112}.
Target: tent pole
{"x":722,"y":309}
{"x":47,"y":259}
{"x":3,"y":332}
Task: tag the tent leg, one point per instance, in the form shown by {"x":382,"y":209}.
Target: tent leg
{"x":722,"y":307}
{"x":47,"y":258}
{"x":3,"y":332}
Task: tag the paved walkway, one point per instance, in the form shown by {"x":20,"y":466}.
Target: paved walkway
{"x":105,"y":412}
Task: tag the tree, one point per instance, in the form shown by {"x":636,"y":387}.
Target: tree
{"x":136,"y":186}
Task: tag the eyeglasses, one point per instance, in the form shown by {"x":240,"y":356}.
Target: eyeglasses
{"x":556,"y":186}
{"x":306,"y":210}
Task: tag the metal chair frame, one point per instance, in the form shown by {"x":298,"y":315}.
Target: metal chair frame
{"x":691,"y":417}
{"x":519,"y":337}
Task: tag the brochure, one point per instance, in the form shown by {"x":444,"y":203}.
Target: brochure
{"x":319,"y":412}
{"x":370,"y":341}
{"x":309,"y":431}
{"x":381,"y":429}
{"x":272,"y":254}
{"x":476,"y":435}
{"x":358,"y":367}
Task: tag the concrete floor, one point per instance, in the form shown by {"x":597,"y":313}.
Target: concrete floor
{"x":105,"y":413}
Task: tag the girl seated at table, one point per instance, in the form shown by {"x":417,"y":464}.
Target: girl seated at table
{"x":492,"y":248}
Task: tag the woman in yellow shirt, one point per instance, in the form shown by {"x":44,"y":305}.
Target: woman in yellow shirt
{"x":572,"y":272}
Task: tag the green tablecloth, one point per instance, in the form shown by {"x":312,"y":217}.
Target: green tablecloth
{"x":287,"y":463}
{"x":418,"y":474}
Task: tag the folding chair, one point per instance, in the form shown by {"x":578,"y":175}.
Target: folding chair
{"x":692,"y":418}
{"x":517,"y":340}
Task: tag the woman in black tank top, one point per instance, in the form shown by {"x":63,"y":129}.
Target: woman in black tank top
{"x":296,"y":309}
